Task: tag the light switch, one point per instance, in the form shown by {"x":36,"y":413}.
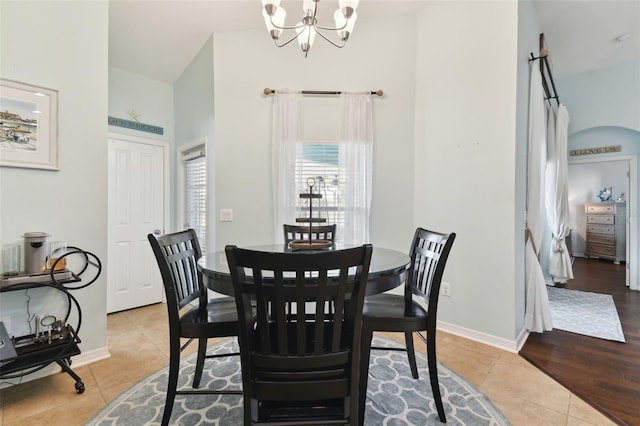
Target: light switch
{"x":226,"y":215}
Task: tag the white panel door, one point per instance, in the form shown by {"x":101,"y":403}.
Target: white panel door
{"x":136,"y":208}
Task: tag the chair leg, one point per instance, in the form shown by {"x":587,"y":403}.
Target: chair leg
{"x":433,"y":375}
{"x":411,"y":354}
{"x":248,"y":408}
{"x":172,"y":382}
{"x":365,"y":351}
{"x":202,"y":351}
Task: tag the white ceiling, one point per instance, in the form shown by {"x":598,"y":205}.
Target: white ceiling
{"x":159,"y":38}
{"x":581,"y":34}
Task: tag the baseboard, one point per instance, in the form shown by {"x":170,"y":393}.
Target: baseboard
{"x":76,"y":361}
{"x":91,"y":356}
{"x":521,"y":339}
{"x":487,"y":339}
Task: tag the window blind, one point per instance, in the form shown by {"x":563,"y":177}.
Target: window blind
{"x":195,"y":203}
{"x":320,"y":161}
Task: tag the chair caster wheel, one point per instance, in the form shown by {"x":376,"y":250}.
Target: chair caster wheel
{"x":79,"y":387}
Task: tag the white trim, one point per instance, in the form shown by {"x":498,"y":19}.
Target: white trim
{"x":91,"y":356}
{"x":632,"y":213}
{"x":512,"y":346}
{"x":138,"y":139}
{"x":521,"y":339}
{"x":180,"y":172}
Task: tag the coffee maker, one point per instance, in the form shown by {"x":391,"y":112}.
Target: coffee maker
{"x":35,"y":252}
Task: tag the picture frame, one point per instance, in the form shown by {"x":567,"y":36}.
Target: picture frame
{"x":28,"y":126}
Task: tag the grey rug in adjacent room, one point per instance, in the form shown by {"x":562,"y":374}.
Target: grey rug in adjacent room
{"x":393,"y":397}
{"x":590,"y":314}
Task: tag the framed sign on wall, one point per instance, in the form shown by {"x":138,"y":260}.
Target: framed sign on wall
{"x":28,"y":126}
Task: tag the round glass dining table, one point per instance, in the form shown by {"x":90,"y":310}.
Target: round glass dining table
{"x":387,"y":270}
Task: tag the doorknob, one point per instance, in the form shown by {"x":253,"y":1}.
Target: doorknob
{"x":157,"y":232}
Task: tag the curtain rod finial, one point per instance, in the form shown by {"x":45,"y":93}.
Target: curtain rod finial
{"x":379,"y":92}
{"x":268,"y":91}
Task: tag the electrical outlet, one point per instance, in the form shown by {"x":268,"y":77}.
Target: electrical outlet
{"x":445,"y":289}
{"x":7,"y":324}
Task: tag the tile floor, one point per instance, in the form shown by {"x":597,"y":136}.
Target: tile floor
{"x":138,"y":343}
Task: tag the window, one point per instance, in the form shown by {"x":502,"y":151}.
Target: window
{"x":346,"y":182}
{"x":320,"y":160}
{"x":195,"y":192}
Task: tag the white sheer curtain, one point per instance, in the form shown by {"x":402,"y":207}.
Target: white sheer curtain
{"x":537,"y":312}
{"x":557,"y":198}
{"x":356,"y":157}
{"x":287,"y":132}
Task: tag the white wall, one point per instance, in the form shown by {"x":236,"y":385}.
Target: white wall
{"x":605,"y":97}
{"x":152,"y":99}
{"x":457,"y":174}
{"x":40,"y":44}
{"x":247,"y":62}
{"x":464,"y":155}
{"x":195,"y":120}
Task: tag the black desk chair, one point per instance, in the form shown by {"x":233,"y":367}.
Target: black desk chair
{"x":300,"y":365}
{"x":397,"y":313}
{"x":177,"y":255}
{"x":301,"y":232}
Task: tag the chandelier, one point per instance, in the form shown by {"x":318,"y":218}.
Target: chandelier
{"x":305,"y":30}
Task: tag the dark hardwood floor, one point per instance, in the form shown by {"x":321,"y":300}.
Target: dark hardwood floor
{"x":603,"y":373}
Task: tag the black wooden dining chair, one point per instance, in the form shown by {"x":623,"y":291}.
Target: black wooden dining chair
{"x":301,"y":232}
{"x":403,"y":314}
{"x":177,"y":255}
{"x":300,"y":362}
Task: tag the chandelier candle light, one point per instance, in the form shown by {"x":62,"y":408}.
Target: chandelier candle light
{"x":345,"y":19}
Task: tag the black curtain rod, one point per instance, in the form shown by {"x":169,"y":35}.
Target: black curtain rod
{"x":268,"y":91}
{"x":547,"y":84}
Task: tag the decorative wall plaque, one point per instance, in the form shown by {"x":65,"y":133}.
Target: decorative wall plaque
{"x":601,"y":150}
{"x":135,"y":125}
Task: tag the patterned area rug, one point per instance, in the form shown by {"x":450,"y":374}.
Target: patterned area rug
{"x":590,"y":314}
{"x":393,"y":397}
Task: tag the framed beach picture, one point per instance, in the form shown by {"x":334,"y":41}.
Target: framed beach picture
{"x":28,"y":126}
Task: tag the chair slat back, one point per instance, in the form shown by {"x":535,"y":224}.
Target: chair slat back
{"x":309,"y":313}
{"x":318,"y":232}
{"x":429,"y":254}
{"x":177,"y":255}
{"x":289,"y":302}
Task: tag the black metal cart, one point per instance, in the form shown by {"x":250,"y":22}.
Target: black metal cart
{"x":59,"y":342}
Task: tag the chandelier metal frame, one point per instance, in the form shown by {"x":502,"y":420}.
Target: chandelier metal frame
{"x":308,"y":26}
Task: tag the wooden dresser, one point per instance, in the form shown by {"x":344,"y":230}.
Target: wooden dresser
{"x":606,"y":231}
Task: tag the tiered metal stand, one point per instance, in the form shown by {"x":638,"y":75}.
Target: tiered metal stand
{"x":310,"y":244}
